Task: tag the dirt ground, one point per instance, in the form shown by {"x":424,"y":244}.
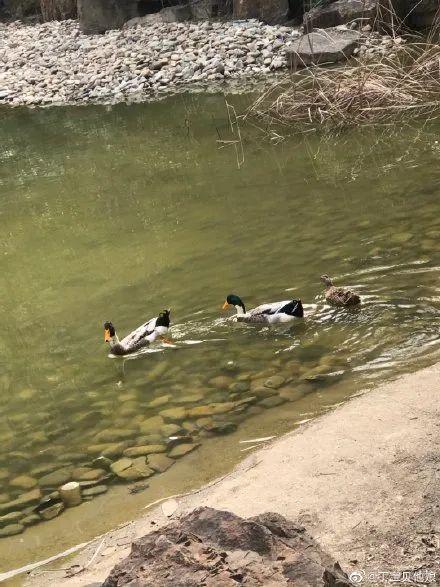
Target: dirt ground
{"x":363,"y":479}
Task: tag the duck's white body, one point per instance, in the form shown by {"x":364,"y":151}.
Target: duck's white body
{"x":143,"y":336}
{"x":270,"y":313}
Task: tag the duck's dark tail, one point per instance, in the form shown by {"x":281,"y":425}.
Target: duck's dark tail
{"x":293,"y":308}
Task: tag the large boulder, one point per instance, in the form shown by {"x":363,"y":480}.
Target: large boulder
{"x":340,"y":12}
{"x":98,"y":16}
{"x":270,"y":11}
{"x":322,"y":46}
{"x":219,"y":549}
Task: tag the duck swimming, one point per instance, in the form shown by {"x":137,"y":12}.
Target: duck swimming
{"x":139,"y":338}
{"x":339,"y":296}
{"x":272,"y":313}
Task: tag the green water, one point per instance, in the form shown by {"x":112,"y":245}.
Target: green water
{"x":117,"y":213}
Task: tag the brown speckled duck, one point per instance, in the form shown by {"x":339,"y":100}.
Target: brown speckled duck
{"x":339,"y":296}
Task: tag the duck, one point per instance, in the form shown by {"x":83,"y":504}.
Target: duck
{"x":339,"y":296}
{"x":154,"y":329}
{"x":270,"y":313}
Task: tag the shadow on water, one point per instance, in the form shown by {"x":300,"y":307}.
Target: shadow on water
{"x":113,"y":213}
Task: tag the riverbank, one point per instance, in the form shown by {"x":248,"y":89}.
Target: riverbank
{"x":54,"y":63}
{"x":363,"y":479}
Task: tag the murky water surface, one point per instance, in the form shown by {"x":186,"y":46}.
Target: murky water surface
{"x":115,"y":214}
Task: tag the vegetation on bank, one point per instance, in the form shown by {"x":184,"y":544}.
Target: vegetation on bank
{"x":361,"y":92}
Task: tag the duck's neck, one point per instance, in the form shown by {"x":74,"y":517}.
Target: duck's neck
{"x":114,"y":341}
{"x":241,"y":310}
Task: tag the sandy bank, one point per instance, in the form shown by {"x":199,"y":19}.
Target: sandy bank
{"x":363,"y":479}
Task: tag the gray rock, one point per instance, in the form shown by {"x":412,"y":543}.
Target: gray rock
{"x":176,"y":13}
{"x":137,"y":451}
{"x":121,"y":465}
{"x":56,"y":478}
{"x":93,"y":491}
{"x":322,"y":46}
{"x":10,"y":518}
{"x":159,"y":463}
{"x":26,"y":499}
{"x":340,"y":12}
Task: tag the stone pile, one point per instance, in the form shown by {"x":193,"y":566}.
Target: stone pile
{"x":54,"y":63}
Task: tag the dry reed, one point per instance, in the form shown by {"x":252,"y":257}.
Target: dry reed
{"x":358,"y":93}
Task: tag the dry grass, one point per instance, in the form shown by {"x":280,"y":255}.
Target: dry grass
{"x":356,"y":94}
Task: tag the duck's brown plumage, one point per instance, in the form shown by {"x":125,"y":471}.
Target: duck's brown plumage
{"x":339,"y":296}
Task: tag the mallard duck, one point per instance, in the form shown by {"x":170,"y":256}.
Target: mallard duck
{"x":139,"y":338}
{"x":272,"y":313}
{"x":339,"y":296}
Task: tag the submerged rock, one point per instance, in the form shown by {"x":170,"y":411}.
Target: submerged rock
{"x":52,"y":511}
{"x":10,"y":518}
{"x":217,"y":548}
{"x":159,"y":462}
{"x":182,"y":449}
{"x":56,"y":478}
{"x":137,"y":451}
{"x":11,"y":530}
{"x":23,"y":482}
{"x":94,"y":491}
{"x":26,"y":499}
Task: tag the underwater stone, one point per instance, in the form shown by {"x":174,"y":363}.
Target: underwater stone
{"x":137,"y":451}
{"x":119,"y":466}
{"x":11,"y":530}
{"x":52,"y":511}
{"x":93,"y":491}
{"x":151,"y":425}
{"x":221,"y":382}
{"x":181,"y":450}
{"x":23,"y":482}
{"x":26,"y":499}
{"x":170,"y":429}
{"x":274,"y":382}
{"x":159,"y":462}
{"x":56,"y":478}
{"x":272,"y":402}
{"x":10,"y":518}
{"x":173,"y":414}
{"x":30,"y":520}
{"x":159,"y":401}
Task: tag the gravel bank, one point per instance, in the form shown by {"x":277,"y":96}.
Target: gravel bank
{"x":54,"y":63}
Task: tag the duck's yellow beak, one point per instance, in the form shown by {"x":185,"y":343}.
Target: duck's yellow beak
{"x":107,"y":336}
{"x":225,"y":306}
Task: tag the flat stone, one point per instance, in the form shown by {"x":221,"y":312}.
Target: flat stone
{"x":23,"y":482}
{"x":52,"y":511}
{"x":30,"y":520}
{"x":271,"y":402}
{"x":93,"y":491}
{"x":10,"y":518}
{"x":340,"y":12}
{"x":181,"y":450}
{"x":56,"y":478}
{"x":114,"y":435}
{"x":221,"y":382}
{"x":29,"y":498}
{"x":274,"y":382}
{"x":119,"y":466}
{"x":11,"y":530}
{"x":170,"y":429}
{"x":290,"y":394}
{"x":159,"y":463}
{"x":159,"y":401}
{"x":173,"y":414}
{"x":193,"y":398}
{"x":86,"y":474}
{"x":322,"y":46}
{"x":137,"y":451}
{"x":151,"y":425}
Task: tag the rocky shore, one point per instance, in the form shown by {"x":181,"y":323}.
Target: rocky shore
{"x":361,"y":479}
{"x":54,"y":63}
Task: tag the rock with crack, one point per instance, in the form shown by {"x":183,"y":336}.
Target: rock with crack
{"x":219,"y":549}
{"x":322,"y":46}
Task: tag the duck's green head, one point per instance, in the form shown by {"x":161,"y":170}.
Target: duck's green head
{"x":233,"y":300}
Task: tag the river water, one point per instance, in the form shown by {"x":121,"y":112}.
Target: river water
{"x":115,"y":213}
